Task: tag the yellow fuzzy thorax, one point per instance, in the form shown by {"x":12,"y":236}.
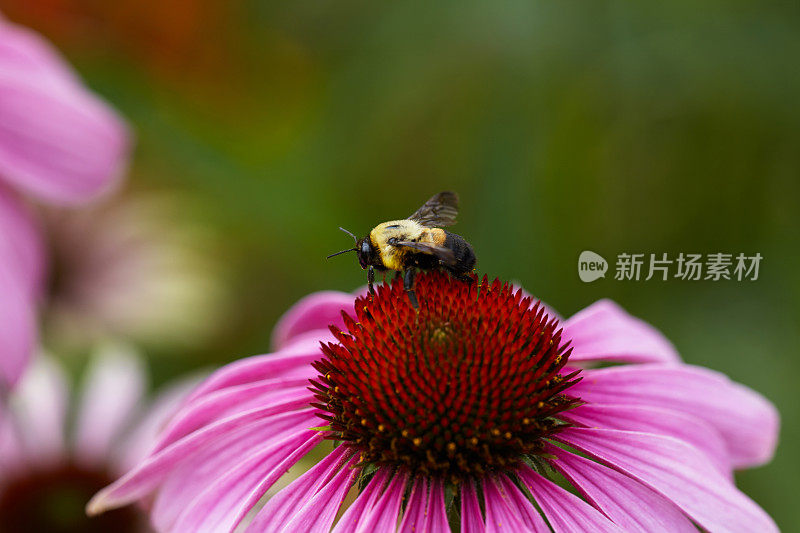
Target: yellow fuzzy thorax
{"x":402,"y":230}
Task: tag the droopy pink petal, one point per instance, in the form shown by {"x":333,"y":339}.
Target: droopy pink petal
{"x":40,"y":409}
{"x":628,"y":503}
{"x":314,"y":312}
{"x":352,"y":517}
{"x":281,"y":508}
{"x":259,"y":367}
{"x":227,"y":500}
{"x":138,"y":441}
{"x":57,"y":140}
{"x":313,"y":336}
{"x":471,"y":518}
{"x":115,"y":383}
{"x":17,"y":328}
{"x":521,"y":505}
{"x":425,"y":510}
{"x":678,"y":472}
{"x":437,"y":512}
{"x":605,"y":332}
{"x":500,"y":515}
{"x":565,"y":511}
{"x":691,"y":429}
{"x":747,"y":422}
{"x":383,"y":515}
{"x":153,"y":470}
{"x":25,"y":51}
{"x":414,"y":515}
{"x":319,"y":512}
{"x":21,"y":265}
{"x":189,"y":479}
{"x":21,"y":242}
{"x":226,"y":402}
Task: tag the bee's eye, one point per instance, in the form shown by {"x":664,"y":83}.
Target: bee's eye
{"x":365,"y":248}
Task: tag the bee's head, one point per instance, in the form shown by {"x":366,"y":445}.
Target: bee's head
{"x":365,"y":252}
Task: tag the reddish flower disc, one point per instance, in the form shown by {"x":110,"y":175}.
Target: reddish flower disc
{"x":469,"y":383}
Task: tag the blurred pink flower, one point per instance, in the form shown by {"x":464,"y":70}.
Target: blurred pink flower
{"x":59,"y":144}
{"x":50,"y":467}
{"x":58,"y":141}
{"x":21,"y":259}
{"x":475,"y":397}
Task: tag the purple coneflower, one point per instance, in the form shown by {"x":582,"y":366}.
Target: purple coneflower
{"x":477,"y":413}
{"x":59,"y":144}
{"x":54,"y":455}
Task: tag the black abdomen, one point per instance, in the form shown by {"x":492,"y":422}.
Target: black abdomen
{"x":465,"y":256}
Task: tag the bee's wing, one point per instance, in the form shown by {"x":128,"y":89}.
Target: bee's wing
{"x":440,"y":210}
{"x":445,"y":255}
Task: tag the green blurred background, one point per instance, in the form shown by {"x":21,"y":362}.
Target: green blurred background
{"x":565,"y":126}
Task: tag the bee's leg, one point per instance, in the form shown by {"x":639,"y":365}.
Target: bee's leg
{"x":371,"y":280}
{"x":397,"y":274}
{"x":408,"y":285}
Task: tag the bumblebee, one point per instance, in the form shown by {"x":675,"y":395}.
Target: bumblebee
{"x":416,"y":243}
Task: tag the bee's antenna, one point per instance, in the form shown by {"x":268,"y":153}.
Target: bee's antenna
{"x":353,"y":236}
{"x":342,"y":252}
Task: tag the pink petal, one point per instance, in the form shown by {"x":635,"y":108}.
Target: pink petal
{"x":353,"y":516}
{"x":21,"y":265}
{"x":565,"y":511}
{"x":312,"y":336}
{"x":471,"y":518}
{"x":17,"y":328}
{"x":189,"y":479}
{"x":436,"y":512}
{"x":57,"y":140}
{"x":25,"y":51}
{"x":115,"y":383}
{"x":688,"y":428}
{"x":605,"y":332}
{"x":747,"y":422}
{"x":521,"y":505}
{"x":156,"y":468}
{"x":319,"y":512}
{"x":141,"y":437}
{"x":40,"y":410}
{"x":383,"y":515}
{"x":629,"y":504}
{"x":500,"y":512}
{"x":425,"y":511}
{"x":220,"y":404}
{"x":678,"y":472}
{"x":281,"y":508}
{"x":230,"y":497}
{"x":289,"y":362}
{"x":414,"y":516}
{"x":21,"y":242}
{"x":314,"y":312}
